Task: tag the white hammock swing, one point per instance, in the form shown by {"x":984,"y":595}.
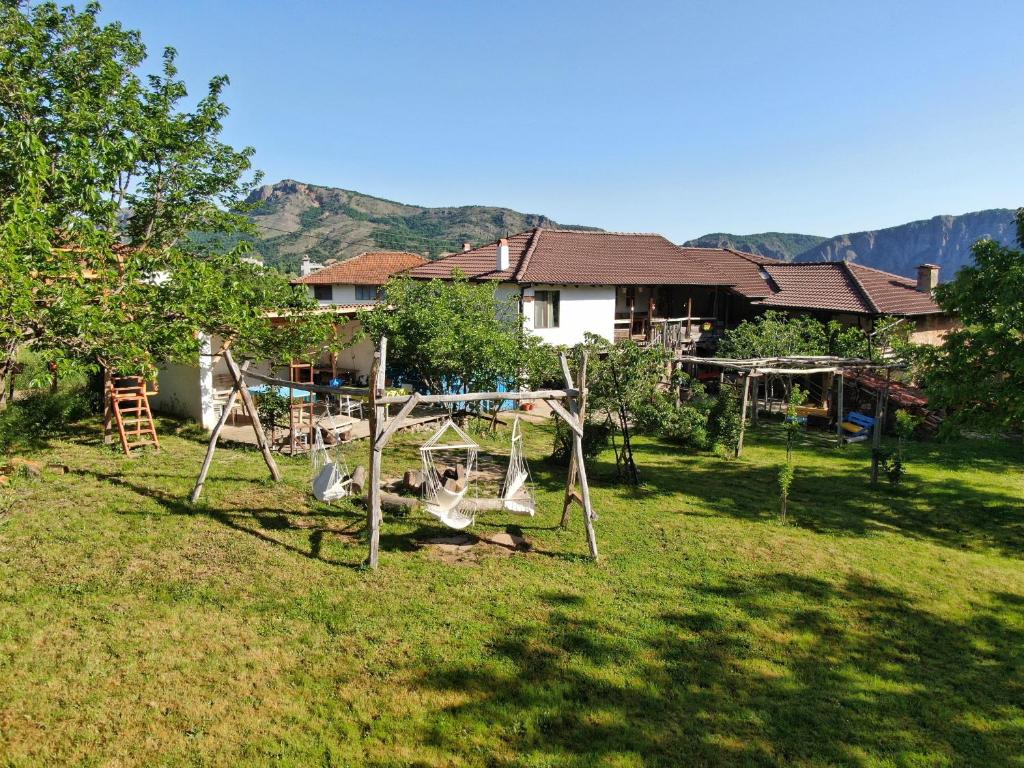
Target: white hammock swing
{"x":331,"y":478}
{"x":439,"y":500}
{"x":517,"y":495}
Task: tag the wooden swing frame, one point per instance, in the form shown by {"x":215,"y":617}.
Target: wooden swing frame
{"x":568,"y":404}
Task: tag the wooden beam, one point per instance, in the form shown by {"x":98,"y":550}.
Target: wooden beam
{"x":214,"y":436}
{"x":473,"y":397}
{"x":395,"y":424}
{"x":839,"y":410}
{"x":254,"y":417}
{"x":576,"y":405}
{"x":570,"y":419}
{"x":373,"y":511}
{"x":570,"y":482}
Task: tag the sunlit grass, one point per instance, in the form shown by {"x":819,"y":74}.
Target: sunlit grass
{"x":877,"y":627}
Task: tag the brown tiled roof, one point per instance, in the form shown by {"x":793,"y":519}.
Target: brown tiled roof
{"x":566,"y":257}
{"x":370,"y":268}
{"x":745,"y":269}
{"x":480,"y":263}
{"x":839,"y":286}
{"x":892,"y":294}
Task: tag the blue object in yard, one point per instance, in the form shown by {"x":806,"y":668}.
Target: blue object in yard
{"x":298,"y":394}
{"x":857,"y":426}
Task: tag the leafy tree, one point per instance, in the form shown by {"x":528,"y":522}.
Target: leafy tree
{"x":103,"y":178}
{"x":454,"y":335}
{"x":724,"y":421}
{"x":978,"y":372}
{"x":793,"y":428}
{"x":774,"y":334}
{"x":625,"y":383}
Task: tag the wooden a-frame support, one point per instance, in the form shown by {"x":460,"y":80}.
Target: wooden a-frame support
{"x":382,"y":429}
{"x":238,"y":389}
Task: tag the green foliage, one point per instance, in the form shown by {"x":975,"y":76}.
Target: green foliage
{"x":596,"y":435}
{"x":454,"y":334}
{"x":775,"y":334}
{"x":31,"y":420}
{"x":104,"y":177}
{"x":893,"y":463}
{"x":724,"y":419}
{"x":687,"y":424}
{"x":272,"y":407}
{"x":793,"y":429}
{"x":978,"y":373}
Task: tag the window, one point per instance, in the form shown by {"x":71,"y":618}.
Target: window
{"x":367,"y":292}
{"x":323,"y":292}
{"x":545,"y":309}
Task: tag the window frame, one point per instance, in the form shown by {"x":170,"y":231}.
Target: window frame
{"x":323,"y":288}
{"x":374,"y":290}
{"x":551,"y":302}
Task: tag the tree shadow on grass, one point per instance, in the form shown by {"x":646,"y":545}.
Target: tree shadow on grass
{"x":775,"y":670}
{"x":255,"y":522}
{"x":839,"y":499}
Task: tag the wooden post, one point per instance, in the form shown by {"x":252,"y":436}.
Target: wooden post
{"x":689,"y":316}
{"x":743,"y":414}
{"x":108,"y":406}
{"x":373,"y":511}
{"x":576,"y":404}
{"x":570,"y":483}
{"x":254,"y":417}
{"x":876,"y":431}
{"x":214,"y":437}
{"x":755,"y":401}
{"x":839,"y":410}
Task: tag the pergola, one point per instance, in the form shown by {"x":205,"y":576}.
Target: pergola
{"x":752,"y":368}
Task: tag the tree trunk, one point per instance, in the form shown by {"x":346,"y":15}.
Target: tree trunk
{"x":8,"y":360}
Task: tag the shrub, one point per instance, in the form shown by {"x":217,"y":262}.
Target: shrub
{"x":595,"y":438}
{"x":29,"y":421}
{"x":724,"y":419}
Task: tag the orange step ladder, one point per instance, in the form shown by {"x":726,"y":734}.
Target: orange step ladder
{"x":129,"y":401}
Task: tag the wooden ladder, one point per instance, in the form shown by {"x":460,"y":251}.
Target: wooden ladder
{"x":130,"y":404}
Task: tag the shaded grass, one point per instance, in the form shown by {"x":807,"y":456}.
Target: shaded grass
{"x":879,"y":627}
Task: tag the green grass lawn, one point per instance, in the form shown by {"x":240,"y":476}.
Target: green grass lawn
{"x":875,"y":628}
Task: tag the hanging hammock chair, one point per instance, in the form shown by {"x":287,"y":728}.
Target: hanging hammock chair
{"x":517,"y":496}
{"x":331,"y":478}
{"x":441,"y":495}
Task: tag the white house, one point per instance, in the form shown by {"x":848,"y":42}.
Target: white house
{"x":344,"y":289}
{"x":643,"y":287}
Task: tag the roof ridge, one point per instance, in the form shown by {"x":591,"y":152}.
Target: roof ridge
{"x":860,"y":286}
{"x":525,"y":262}
{"x":747,"y":255}
{"x":909,"y":280}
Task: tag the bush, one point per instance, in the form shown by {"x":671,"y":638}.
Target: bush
{"x":724,"y":419}
{"x":595,"y":438}
{"x":28,"y":422}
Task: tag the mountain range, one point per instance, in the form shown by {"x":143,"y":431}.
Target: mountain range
{"x":942,"y":240}
{"x":297,"y":220}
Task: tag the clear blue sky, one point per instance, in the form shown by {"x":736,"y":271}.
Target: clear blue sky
{"x":673,"y":117}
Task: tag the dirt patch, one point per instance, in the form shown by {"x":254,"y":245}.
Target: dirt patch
{"x":468,"y":549}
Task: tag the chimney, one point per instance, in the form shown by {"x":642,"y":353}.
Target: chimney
{"x":467,"y":247}
{"x":502,"y":255}
{"x":927,"y":277}
{"x":307,"y":266}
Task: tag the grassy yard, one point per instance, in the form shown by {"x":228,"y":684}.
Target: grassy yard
{"x":875,"y":628}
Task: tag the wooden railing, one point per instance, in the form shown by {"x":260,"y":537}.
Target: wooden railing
{"x":680,"y":333}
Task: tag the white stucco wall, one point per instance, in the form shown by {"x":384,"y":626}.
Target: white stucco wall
{"x":582,"y":309}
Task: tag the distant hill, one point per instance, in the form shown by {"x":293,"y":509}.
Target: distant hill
{"x":776,"y":245}
{"x":942,"y":240}
{"x":297,"y":220}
